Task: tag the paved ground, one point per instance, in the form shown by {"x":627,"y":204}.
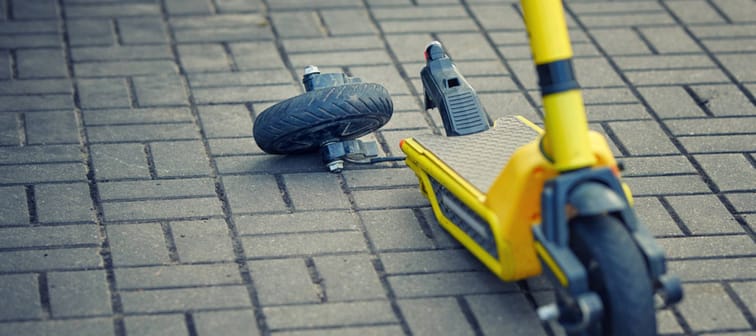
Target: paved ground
{"x":133,"y":199}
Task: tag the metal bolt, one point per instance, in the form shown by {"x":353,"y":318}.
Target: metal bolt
{"x":335,"y":166}
{"x":549,"y":312}
{"x":311,"y":69}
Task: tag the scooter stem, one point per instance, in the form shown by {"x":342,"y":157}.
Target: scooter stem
{"x":565,"y":140}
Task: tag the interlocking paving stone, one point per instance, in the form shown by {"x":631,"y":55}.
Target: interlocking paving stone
{"x":730,"y":172}
{"x":98,"y":93}
{"x":395,"y":229}
{"x":130,"y":52}
{"x":160,"y":91}
{"x":36,"y":102}
{"x":297,"y":222}
{"x":90,"y":32}
{"x":137,"y":244}
{"x":695,"y":247}
{"x":35,"y":63}
{"x":64,"y":203}
{"x":707,"y":307}
{"x":315,"y":191}
{"x":171,"y":300}
{"x":655,"y":217}
{"x":141,"y":30}
{"x":20,"y":293}
{"x":714,"y":269}
{"x":329,"y":314}
{"x":202,"y":241}
{"x":57,"y":259}
{"x":303,"y":244}
{"x":40,"y":154}
{"x":698,"y":11}
{"x":253,"y":193}
{"x":177,"y":276}
{"x":177,"y":7}
{"x":112,"y":161}
{"x":162,"y":209}
{"x":231,"y":322}
{"x":81,"y":293}
{"x":45,"y":236}
{"x":13,"y":206}
{"x":435,"y":316}
{"x":173,"y":324}
{"x":457,"y":283}
{"x":91,"y":326}
{"x":180,"y":158}
{"x":505,"y":313}
{"x":44,"y":128}
{"x":37,"y":173}
{"x":348,"y":278}
{"x":283,"y":281}
{"x":225,"y":121}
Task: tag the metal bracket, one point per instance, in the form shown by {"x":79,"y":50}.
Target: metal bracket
{"x":335,"y":153}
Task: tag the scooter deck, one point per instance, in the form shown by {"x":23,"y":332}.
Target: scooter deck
{"x":480,"y":157}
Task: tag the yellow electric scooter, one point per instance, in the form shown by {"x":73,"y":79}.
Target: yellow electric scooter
{"x":524,"y":200}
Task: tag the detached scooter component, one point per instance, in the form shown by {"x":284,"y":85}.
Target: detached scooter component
{"x":335,"y":110}
{"x":448,"y":90}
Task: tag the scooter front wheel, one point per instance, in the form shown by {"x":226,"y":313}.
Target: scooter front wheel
{"x":304,"y":123}
{"x":617,"y":273}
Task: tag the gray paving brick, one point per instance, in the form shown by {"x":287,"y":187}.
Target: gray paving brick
{"x":663,"y":61}
{"x":125,"y":68}
{"x":283,"y":281}
{"x":325,"y":4}
{"x":169,"y":300}
{"x":225,"y":121}
{"x":626,"y":19}
{"x":655,"y":217}
{"x":329,"y":314}
{"x":297,"y":24}
{"x":81,"y":293}
{"x":379,"y":177}
{"x":137,"y":116}
{"x":496,"y":16}
{"x":177,"y":276}
{"x":156,"y":189}
{"x":88,"y":32}
{"x":315,"y":191}
{"x":509,"y":314}
{"x":342,"y":22}
{"x":111,"y":10}
{"x":429,"y":261}
{"x":743,"y":202}
{"x":447,"y":284}
{"x":657,"y":165}
{"x":298,"y":222}
{"x":244,"y":94}
{"x":222,"y":28}
{"x":435,"y":316}
{"x":379,"y":330}
{"x":31,"y":41}
{"x":395,"y":229}
{"x":738,"y":65}
{"x":341,"y":58}
{"x":128,"y":52}
{"x":670,"y":102}
{"x":662,"y":185}
{"x":348,"y":278}
{"x":734,"y":45}
{"x":44,"y":236}
{"x":390,"y":198}
{"x":9,"y":129}
{"x":141,"y":133}
{"x":113,"y":161}
{"x":242,"y":78}
{"x":180,"y":158}
{"x":253,"y":193}
{"x":643,"y":137}
{"x":29,"y":26}
{"x":303,"y":244}
{"x":417,"y":12}
{"x":620,"y":41}
{"x":714,"y":269}
{"x":385,"y":75}
{"x":142,"y":30}
{"x":13,"y":206}
{"x":746,"y":291}
{"x":174,"y":324}
{"x":204,"y":57}
{"x":408,"y":120}
{"x":729,"y":172}
{"x":6,"y":66}
{"x":57,"y":259}
{"x":240,"y":6}
{"x":21,"y":294}
{"x":137,"y":244}
{"x":34,"y":9}
{"x":162,"y":209}
{"x":36,"y":102}
{"x":719,"y":143}
{"x":160,"y":91}
{"x":696,"y":247}
{"x":40,"y":154}
{"x":203,"y":240}
{"x":233,"y":323}
{"x":51,"y":128}
{"x":35,"y":63}
{"x":93,"y":326}
{"x":36,"y":86}
{"x":37,"y":173}
{"x":697,"y":11}
{"x":710,"y":126}
{"x":179,"y":7}
{"x":707,"y":307}
{"x":738,"y":11}
{"x":725,"y":100}
{"x":63,"y":203}
{"x":661,"y":77}
{"x":96,"y":93}
{"x":669,"y":40}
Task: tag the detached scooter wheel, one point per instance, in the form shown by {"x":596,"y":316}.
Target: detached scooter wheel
{"x":304,"y":123}
{"x":617,"y":273}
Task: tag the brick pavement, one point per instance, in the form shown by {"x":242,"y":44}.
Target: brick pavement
{"x":133,"y":200}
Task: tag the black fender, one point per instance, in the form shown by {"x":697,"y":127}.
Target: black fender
{"x":593,"y":198}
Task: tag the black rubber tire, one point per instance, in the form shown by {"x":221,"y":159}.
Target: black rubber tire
{"x":617,"y":273}
{"x":303,"y":123}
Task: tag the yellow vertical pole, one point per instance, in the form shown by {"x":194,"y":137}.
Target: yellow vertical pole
{"x":566,"y":126}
